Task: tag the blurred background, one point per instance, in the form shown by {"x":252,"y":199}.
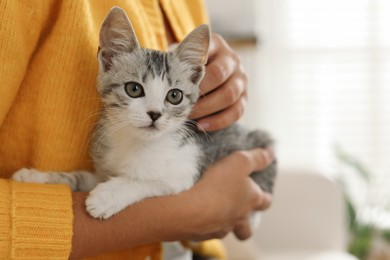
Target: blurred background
{"x":320,"y":84}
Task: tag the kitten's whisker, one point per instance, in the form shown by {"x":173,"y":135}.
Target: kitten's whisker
{"x":116,"y":125}
{"x":202,"y":94}
{"x":93,"y":125}
{"x":186,"y":134}
{"x":201,"y":129}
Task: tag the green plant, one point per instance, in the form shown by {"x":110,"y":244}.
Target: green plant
{"x":362,"y":231}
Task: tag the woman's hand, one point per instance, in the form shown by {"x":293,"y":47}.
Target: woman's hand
{"x":223,"y":89}
{"x":226,"y":196}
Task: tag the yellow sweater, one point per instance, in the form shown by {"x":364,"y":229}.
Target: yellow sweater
{"x":49,"y":104}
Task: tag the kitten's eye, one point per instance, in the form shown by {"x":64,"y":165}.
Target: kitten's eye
{"x":175,"y":96}
{"x":134,"y":90}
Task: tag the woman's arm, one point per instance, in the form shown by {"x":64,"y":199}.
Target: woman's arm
{"x":220,"y":202}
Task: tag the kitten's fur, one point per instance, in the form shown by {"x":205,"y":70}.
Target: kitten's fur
{"x":145,"y":146}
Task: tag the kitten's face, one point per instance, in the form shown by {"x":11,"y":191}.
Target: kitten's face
{"x":146,"y":91}
{"x":152,"y":92}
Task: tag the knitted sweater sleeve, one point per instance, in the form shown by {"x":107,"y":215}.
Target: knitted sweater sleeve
{"x":35,"y":220}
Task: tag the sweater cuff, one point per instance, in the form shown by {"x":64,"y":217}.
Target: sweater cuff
{"x":38,"y":220}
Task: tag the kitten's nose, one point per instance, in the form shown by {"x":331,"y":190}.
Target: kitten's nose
{"x":154,"y":115}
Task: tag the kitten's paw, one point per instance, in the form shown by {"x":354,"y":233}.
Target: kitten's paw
{"x":101,"y":203}
{"x":30,"y":175}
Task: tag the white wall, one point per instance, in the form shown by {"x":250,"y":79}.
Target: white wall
{"x":232,"y":18}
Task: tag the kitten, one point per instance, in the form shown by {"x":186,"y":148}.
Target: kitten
{"x":144,"y":145}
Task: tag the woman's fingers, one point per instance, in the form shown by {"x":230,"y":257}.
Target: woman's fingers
{"x":228,"y":94}
{"x":223,"y":118}
{"x":223,"y":90}
{"x":260,"y":158}
{"x":265,"y":202}
{"x":217,"y":72}
{"x":243,"y":229}
{"x":228,"y":195}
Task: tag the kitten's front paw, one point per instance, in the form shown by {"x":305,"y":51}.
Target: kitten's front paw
{"x":101,"y":203}
{"x":30,"y":175}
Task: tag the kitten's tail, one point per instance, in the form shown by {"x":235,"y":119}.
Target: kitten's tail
{"x":76,"y":180}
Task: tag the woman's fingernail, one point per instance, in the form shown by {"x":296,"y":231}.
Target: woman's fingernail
{"x":203,"y":125}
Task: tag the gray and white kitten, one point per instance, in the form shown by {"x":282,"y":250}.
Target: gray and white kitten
{"x":144,"y":145}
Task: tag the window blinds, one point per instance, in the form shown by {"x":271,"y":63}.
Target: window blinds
{"x":323,"y":78}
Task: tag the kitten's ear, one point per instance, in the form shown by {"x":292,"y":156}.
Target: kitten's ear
{"x":195,"y":46}
{"x":116,"y":36}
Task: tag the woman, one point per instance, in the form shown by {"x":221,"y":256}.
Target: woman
{"x":48,"y":106}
